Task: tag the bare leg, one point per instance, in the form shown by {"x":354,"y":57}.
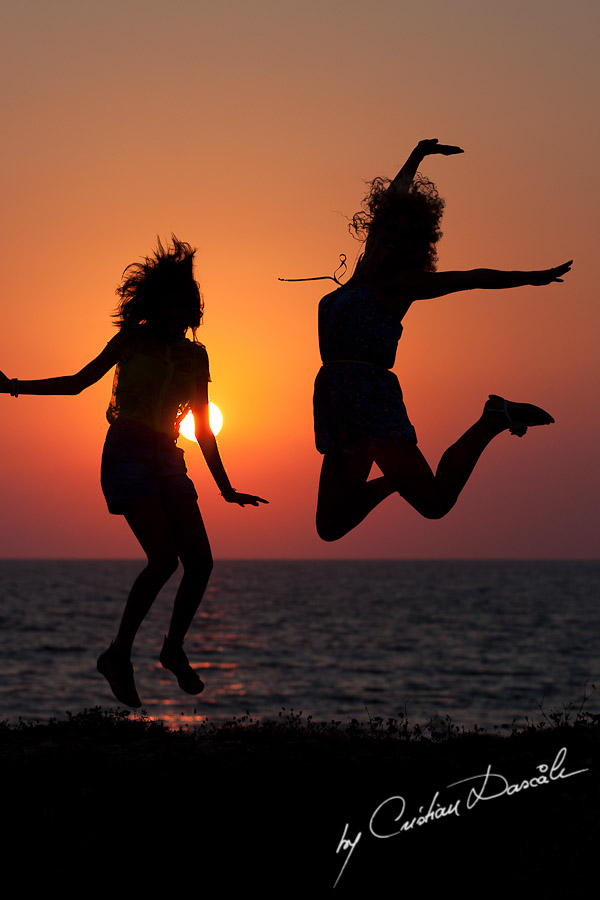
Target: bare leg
{"x":433,"y":496}
{"x":196,"y":558}
{"x":168,"y":531}
{"x":346,"y":497}
{"x":147,"y":519}
{"x":194,"y":552}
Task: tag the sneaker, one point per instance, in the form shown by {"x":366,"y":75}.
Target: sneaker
{"x":175,"y":660}
{"x":119,"y":674}
{"x":520,"y":416}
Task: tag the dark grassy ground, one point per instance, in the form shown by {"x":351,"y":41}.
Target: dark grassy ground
{"x":102,"y":798}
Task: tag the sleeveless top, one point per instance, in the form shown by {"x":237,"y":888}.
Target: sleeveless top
{"x":155,"y":381}
{"x":353,"y":326}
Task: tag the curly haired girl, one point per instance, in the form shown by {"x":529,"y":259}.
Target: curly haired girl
{"x":359,"y":413}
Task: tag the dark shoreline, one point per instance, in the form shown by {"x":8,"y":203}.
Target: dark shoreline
{"x":103,"y":796}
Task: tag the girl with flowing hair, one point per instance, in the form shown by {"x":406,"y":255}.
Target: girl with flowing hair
{"x":160,"y":375}
{"x":359,"y":413}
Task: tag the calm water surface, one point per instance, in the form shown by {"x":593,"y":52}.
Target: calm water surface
{"x":482,"y":642}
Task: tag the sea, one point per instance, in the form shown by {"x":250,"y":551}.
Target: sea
{"x":490,"y":644}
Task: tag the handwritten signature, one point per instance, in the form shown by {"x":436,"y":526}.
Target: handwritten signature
{"x":384,"y":822}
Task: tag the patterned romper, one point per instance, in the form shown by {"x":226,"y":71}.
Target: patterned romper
{"x":357,"y":401}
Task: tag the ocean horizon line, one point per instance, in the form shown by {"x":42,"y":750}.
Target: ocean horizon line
{"x":321,"y":559}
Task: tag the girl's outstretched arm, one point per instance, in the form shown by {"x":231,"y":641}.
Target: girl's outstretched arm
{"x":427,"y":285}
{"x":210,"y":451}
{"x":65,"y":384}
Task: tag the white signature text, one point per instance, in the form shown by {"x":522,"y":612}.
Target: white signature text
{"x":389,"y":819}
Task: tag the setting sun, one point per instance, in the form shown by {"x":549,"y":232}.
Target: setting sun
{"x":215,"y":418}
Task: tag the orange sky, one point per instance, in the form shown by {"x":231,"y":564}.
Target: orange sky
{"x":248,"y":129}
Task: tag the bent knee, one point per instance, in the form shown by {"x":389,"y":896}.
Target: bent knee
{"x":199,"y":566}
{"x":434,"y":510}
{"x":328,"y":531}
{"x":328,"y":536}
{"x":433,"y":513}
{"x":163,"y":565}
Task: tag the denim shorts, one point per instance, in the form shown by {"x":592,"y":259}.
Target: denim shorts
{"x":140,"y":462}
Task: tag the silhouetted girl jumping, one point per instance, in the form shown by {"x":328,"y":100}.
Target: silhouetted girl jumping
{"x":160,"y":375}
{"x":360,"y":417}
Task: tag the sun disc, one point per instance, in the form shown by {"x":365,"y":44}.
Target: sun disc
{"x":215,"y":419}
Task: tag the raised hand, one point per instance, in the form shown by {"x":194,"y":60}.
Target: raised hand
{"x":405,"y":176}
{"x":234,"y":496}
{"x":433,"y":146}
{"x":547,"y":276}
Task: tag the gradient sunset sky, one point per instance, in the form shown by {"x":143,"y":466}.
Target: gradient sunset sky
{"x":248,"y":129}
